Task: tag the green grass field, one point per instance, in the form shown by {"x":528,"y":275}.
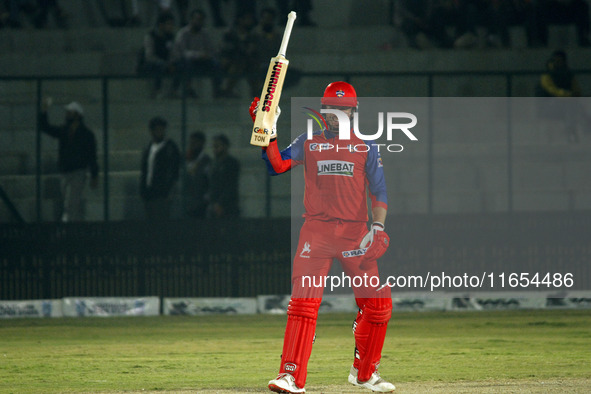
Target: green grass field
{"x":512,"y":351}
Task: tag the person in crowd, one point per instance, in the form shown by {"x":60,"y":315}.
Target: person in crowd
{"x":559,"y":82}
{"x":223,"y":181}
{"x":155,"y":57}
{"x":165,"y":6}
{"x":195,"y":54}
{"x":159,"y":171}
{"x":239,"y":55}
{"x":197,"y":182}
{"x":268,"y":40}
{"x":563,"y":12}
{"x":124,"y":13}
{"x":76,"y":157}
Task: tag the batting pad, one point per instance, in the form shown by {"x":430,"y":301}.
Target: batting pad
{"x":299,"y":337}
{"x":370,"y":332}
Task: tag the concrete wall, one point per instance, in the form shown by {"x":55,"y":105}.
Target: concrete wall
{"x":470,"y":168}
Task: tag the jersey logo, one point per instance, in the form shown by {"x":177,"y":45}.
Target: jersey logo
{"x":306,"y":249}
{"x":335,"y":167}
{"x":380,"y":164}
{"x":354,"y":253}
{"x":315,"y":147}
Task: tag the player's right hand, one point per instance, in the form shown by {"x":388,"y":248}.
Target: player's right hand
{"x":254,"y":107}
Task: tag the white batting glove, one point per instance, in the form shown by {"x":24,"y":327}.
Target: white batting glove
{"x":274,"y":129}
{"x":368,"y":238}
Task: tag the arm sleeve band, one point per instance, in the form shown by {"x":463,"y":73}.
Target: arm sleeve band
{"x":279,"y":162}
{"x":375,"y":177}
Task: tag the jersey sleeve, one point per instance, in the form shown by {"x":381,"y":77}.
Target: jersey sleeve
{"x":279,"y":162}
{"x":374,"y":170}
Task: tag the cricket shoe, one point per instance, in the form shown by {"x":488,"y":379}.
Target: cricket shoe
{"x":375,"y":382}
{"x":285,"y":383}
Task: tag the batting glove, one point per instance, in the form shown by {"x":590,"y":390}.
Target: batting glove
{"x":376,"y":241}
{"x":253,"y":109}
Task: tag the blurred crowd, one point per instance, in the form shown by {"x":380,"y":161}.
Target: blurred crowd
{"x":425,"y":23}
{"x":12,"y":13}
{"x":455,"y":23}
{"x":244,"y":52}
{"x":127,"y":13}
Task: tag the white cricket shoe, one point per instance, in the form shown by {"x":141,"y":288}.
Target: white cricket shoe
{"x":285,"y":383}
{"x":375,"y":382}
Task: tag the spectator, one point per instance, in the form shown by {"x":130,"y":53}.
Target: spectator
{"x":303,"y":9}
{"x":506,"y":13}
{"x":197,"y":183}
{"x":194,"y":53}
{"x":126,"y":13}
{"x":50,"y":6}
{"x":563,"y":12}
{"x":4,"y":14}
{"x":559,"y":81}
{"x":268,"y":35}
{"x":424,"y":23}
{"x":216,"y":11}
{"x":239,"y":55}
{"x":159,"y":171}
{"x":223,"y":181}
{"x":240,"y":7}
{"x":76,"y":156}
{"x":155,"y":57}
{"x":268,"y":40}
{"x":165,"y":6}
{"x":13,"y":8}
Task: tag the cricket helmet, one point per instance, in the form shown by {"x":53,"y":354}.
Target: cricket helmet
{"x":339,"y":94}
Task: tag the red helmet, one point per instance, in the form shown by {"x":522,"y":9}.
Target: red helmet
{"x":340,"y":94}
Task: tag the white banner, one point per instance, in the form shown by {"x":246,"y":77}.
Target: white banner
{"x":277,"y":304}
{"x":31,"y":308}
{"x":115,"y":306}
{"x":569,"y":300}
{"x":206,"y":306}
{"x":338,"y":303}
{"x":497,"y":301}
{"x":274,"y":304}
{"x":420,"y":301}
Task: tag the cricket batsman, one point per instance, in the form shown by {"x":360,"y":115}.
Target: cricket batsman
{"x":337,"y":178}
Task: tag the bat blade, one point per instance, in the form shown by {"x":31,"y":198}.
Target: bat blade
{"x":263,"y":124}
{"x":271,"y":93}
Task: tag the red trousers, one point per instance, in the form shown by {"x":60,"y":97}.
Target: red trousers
{"x":320,"y":242}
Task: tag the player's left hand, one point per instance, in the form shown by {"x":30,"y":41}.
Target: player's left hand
{"x":376,"y":241}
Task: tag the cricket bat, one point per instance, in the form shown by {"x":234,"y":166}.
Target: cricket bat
{"x":263,"y":124}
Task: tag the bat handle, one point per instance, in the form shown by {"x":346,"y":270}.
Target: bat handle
{"x":291,"y":17}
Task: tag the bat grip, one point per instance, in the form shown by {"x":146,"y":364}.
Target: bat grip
{"x":291,"y":17}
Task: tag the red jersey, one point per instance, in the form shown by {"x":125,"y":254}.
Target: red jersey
{"x":337,"y":174}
